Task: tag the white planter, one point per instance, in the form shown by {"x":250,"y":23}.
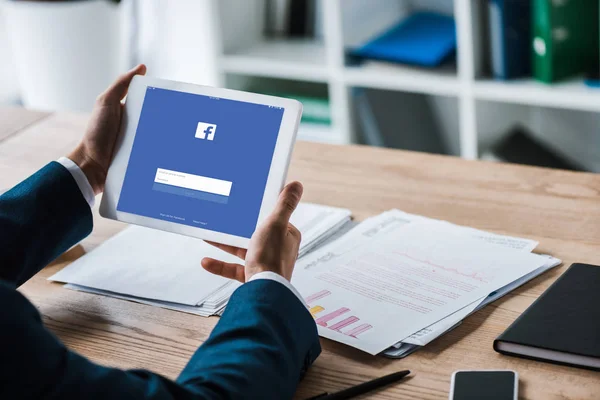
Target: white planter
{"x":65,"y":53}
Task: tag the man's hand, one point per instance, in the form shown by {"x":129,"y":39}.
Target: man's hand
{"x":94,"y":153}
{"x":273,"y":247}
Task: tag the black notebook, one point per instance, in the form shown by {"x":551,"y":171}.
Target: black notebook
{"x":563,"y":325}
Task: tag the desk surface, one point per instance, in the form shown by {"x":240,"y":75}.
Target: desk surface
{"x":559,"y":209}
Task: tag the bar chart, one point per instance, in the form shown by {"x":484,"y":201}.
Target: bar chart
{"x":343,"y":323}
{"x":332,"y":315}
{"x":358,"y":330}
{"x":315,"y":310}
{"x":317,"y":296}
{"x":347,"y":325}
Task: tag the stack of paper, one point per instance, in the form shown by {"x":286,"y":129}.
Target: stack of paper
{"x":163,"y":269}
{"x":397,"y":281}
{"x":392,"y":284}
{"x":317,"y":224}
{"x":214,"y":305}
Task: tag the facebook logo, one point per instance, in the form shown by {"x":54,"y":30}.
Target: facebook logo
{"x":206,"y":131}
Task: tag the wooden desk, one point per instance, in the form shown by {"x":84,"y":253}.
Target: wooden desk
{"x":559,"y":209}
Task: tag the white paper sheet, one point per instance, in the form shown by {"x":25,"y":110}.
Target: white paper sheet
{"x":413,"y":277}
{"x":204,"y":311}
{"x":159,"y":267}
{"x":317,"y":223}
{"x":432,"y":332}
{"x":149,"y":264}
{"x":378,"y":227}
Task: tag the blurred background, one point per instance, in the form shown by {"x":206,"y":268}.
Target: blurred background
{"x":512,"y":80}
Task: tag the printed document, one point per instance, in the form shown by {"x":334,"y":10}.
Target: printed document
{"x":416,"y":274}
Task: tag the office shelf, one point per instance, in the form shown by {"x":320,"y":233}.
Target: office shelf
{"x":378,"y":75}
{"x":289,"y":59}
{"x":319,"y":133}
{"x":572,"y":94}
{"x":462,"y":93}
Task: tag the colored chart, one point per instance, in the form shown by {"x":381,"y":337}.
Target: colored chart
{"x":358,"y":330}
{"x":344,"y":323}
{"x":316,"y":309}
{"x":332,"y":315}
{"x":325,"y":320}
{"x":317,"y":296}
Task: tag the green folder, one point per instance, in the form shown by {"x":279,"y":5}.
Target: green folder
{"x":565,"y":38}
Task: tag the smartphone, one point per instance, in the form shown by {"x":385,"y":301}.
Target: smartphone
{"x":484,"y":385}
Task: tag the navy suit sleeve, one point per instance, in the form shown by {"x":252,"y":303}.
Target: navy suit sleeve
{"x":262,"y":346}
{"x":259,"y":349}
{"x":40,"y":218}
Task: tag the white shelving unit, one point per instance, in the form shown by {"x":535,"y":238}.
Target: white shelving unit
{"x":244,"y":51}
{"x":299,"y":60}
{"x":571,"y":94}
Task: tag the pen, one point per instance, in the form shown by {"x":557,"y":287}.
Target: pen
{"x":362,"y":388}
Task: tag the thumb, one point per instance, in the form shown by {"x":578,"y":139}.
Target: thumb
{"x":117,"y":91}
{"x":289,"y":198}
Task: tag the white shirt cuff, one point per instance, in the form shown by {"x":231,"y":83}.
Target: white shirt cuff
{"x":80,"y":179}
{"x":278,"y":278}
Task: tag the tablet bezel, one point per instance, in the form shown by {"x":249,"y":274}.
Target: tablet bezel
{"x":131,"y":115}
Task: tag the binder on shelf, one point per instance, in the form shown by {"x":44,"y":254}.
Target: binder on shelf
{"x":299,"y":19}
{"x":593,"y":83}
{"x":277,"y":18}
{"x":292,"y":18}
{"x":424,"y":38}
{"x":565,"y":38}
{"x":592,"y":79}
{"x":510,"y":32}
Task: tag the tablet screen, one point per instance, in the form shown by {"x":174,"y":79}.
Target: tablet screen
{"x":200,"y":161}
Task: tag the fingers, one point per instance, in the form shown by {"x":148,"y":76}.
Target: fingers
{"x":117,"y":91}
{"x":226,"y":270}
{"x":288,"y":201}
{"x":295,"y":232}
{"x":236,"y":251}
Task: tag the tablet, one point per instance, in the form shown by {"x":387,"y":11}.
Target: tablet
{"x":199,"y":161}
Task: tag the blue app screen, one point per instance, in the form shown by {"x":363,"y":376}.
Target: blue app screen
{"x":200,"y":161}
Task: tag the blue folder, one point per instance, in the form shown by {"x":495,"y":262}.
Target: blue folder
{"x":424,"y":38}
{"x":595,"y":83}
{"x":510,"y":34}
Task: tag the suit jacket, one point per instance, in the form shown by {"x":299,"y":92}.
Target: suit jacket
{"x":262,"y":345}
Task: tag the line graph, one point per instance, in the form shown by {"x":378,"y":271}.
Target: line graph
{"x":474,"y":275}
